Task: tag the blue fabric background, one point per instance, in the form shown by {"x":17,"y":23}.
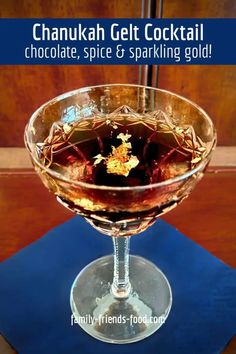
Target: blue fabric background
{"x":35,"y":287}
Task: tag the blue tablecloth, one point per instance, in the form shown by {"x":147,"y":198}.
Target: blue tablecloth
{"x":35,"y":286}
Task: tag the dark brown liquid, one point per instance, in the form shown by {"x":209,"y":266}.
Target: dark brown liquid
{"x":156,"y":151}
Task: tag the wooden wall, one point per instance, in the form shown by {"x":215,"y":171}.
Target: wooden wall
{"x":70,"y":8}
{"x":24,"y":88}
{"x":212,"y":87}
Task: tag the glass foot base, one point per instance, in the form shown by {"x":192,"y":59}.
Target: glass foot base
{"x":114,"y":320}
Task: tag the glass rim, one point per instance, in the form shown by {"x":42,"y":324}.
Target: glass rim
{"x":166,"y":182}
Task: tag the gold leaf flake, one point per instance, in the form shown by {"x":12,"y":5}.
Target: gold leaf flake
{"x":132,"y":163}
{"x":123,"y":137}
{"x":128,"y":145}
{"x":98,"y":158}
{"x":119,"y":161}
{"x":118,"y":167}
{"x":87,"y":204}
{"x":112,"y":124}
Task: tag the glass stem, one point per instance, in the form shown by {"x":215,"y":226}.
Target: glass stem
{"x":121,"y":286}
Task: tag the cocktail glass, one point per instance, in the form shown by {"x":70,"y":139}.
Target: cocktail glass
{"x":120,"y":298}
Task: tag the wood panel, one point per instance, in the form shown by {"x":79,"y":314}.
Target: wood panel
{"x":212,"y":87}
{"x":70,"y":8}
{"x":199,"y":8}
{"x":24,"y":88}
